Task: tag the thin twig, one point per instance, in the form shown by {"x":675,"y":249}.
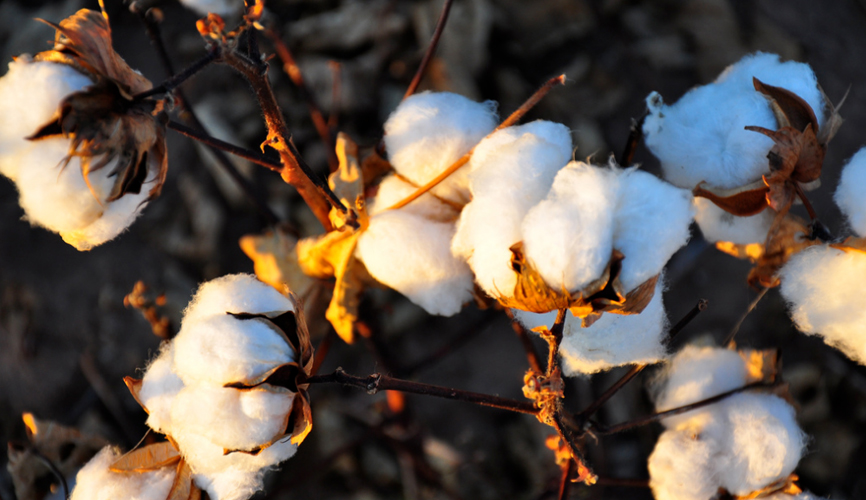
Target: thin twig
{"x":511,"y":120}
{"x":213,"y":142}
{"x":54,"y":470}
{"x":729,"y":340}
{"x":172,"y":83}
{"x":526,"y":341}
{"x":806,"y":203}
{"x":634,"y":137}
{"x":431,"y":49}
{"x":378,"y":382}
{"x":460,"y":339}
{"x":322,"y":350}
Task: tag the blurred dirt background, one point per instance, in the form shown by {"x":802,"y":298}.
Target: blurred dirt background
{"x":66,"y":339}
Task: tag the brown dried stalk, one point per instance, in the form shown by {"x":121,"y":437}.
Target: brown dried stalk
{"x":431,"y":49}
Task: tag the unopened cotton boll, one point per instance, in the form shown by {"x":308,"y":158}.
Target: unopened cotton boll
{"x":96,"y":482}
{"x":510,"y":171}
{"x":568,"y":237}
{"x":701,"y":137}
{"x":652,"y":222}
{"x":429,"y":131}
{"x":718,"y":225}
{"x":412,"y":255}
{"x":219,"y":7}
{"x":681,"y":467}
{"x":851,"y":192}
{"x":613,"y":340}
{"x":824,"y":290}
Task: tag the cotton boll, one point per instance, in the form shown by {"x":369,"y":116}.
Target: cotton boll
{"x":681,"y":466}
{"x":117,"y":217}
{"x":30,"y":93}
{"x":765,"y":442}
{"x":695,"y":374}
{"x":159,"y":387}
{"x":652,"y":222}
{"x":511,"y":171}
{"x":96,"y":482}
{"x":824,"y":290}
{"x":702,"y":137}
{"x":851,"y":192}
{"x":219,"y":7}
{"x":431,"y":130}
{"x":613,"y":340}
{"x":222,"y":349}
{"x":568,"y":236}
{"x":393,"y":189}
{"x":236,"y":293}
{"x":413,"y":256}
{"x":718,"y":225}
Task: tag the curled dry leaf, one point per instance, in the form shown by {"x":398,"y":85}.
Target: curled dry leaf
{"x":275,"y":261}
{"x":762,"y":365}
{"x":147,"y":458}
{"x":743,"y":201}
{"x":105,"y":122}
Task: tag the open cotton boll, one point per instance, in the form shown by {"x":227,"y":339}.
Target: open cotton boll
{"x":702,"y":137}
{"x":96,"y":482}
{"x":652,"y":222}
{"x":236,"y":293}
{"x":412,"y":255}
{"x":159,"y":387}
{"x":613,"y":340}
{"x":219,"y":7}
{"x":568,"y":236}
{"x":851,"y":192}
{"x":695,"y":374}
{"x":824,"y":290}
{"x":765,"y":442}
{"x":510,"y":171}
{"x":681,"y":468}
{"x":431,"y":130}
{"x":30,"y":93}
{"x":392,"y":189}
{"x":718,"y":225}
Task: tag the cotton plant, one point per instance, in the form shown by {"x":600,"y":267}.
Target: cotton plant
{"x":229,"y":394}
{"x":85,"y":155}
{"x":747,"y":444}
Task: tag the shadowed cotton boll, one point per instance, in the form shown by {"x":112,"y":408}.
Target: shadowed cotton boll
{"x":412,"y":255}
{"x":701,"y":137}
{"x":96,"y":482}
{"x":510,"y":171}
{"x":851,"y":192}
{"x":613,"y":340}
{"x":681,"y":467}
{"x":824,"y":290}
{"x":430,"y":131}
{"x":718,"y":225}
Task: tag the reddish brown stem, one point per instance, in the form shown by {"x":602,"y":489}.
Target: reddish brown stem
{"x":565,"y":480}
{"x":322,"y":350}
{"x":213,"y":142}
{"x":336,"y":89}
{"x":526,"y":341}
{"x":729,"y":340}
{"x":806,"y":203}
{"x":431,"y":49}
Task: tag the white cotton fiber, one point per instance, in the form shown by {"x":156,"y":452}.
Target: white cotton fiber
{"x":30,"y":93}
{"x":681,"y":466}
{"x":568,"y":237}
{"x":393,"y":189}
{"x":825,"y":293}
{"x":702,"y":138}
{"x":510,"y":171}
{"x":718,"y":225}
{"x":851,"y":192}
{"x":613,"y":340}
{"x":765,"y":442}
{"x":236,"y":293}
{"x":219,"y":7}
{"x":652,"y":222}
{"x":431,"y":130}
{"x":412,"y":255}
{"x":159,"y":387}
{"x":96,"y":482}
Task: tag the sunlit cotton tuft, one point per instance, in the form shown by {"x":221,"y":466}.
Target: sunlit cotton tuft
{"x":851,"y":192}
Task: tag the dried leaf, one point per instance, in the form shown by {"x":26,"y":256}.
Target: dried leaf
{"x":151,"y":457}
{"x":134,"y":386}
{"x":851,"y":244}
{"x":743,"y":201}
{"x":787,"y":236}
{"x":761,"y":364}
{"x":751,"y":251}
{"x":786,"y":486}
{"x":275,"y":260}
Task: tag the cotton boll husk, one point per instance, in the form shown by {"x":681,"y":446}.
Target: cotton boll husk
{"x":695,"y":374}
{"x":219,"y":7}
{"x":568,"y":236}
{"x":652,"y":222}
{"x":223,"y":349}
{"x":824,"y":290}
{"x":702,"y":137}
{"x":235,"y":293}
{"x":681,"y":466}
{"x":412,"y":255}
{"x":30,"y":93}
{"x":765,"y":442}
{"x":613,"y":340}
{"x":510,"y":171}
{"x":431,"y":130}
{"x":159,"y":387}
{"x":718,"y":225}
{"x":851,"y":192}
{"x":230,"y":418}
{"x":96,"y":482}
{"x":393,"y":189}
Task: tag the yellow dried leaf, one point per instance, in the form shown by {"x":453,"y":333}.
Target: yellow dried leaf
{"x":751,"y":251}
{"x":275,"y":260}
{"x":761,"y":364}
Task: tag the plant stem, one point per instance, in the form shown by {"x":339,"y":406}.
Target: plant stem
{"x":173,"y":82}
{"x":565,"y":480}
{"x":431,"y":49}
{"x":729,"y":340}
{"x":634,"y":137}
{"x":215,"y":143}
{"x":526,"y":341}
{"x":377,"y":382}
